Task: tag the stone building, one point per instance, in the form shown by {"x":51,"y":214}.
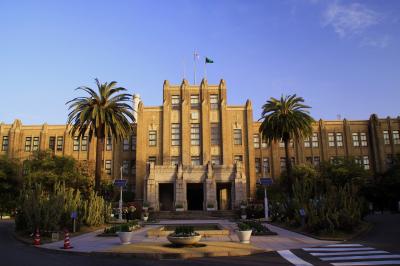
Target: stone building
{"x":195,"y":150}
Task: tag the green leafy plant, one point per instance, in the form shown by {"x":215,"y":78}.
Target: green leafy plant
{"x":210,"y":205}
{"x":184,"y":231}
{"x":244,"y":227}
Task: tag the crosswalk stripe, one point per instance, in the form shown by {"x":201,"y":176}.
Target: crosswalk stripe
{"x":344,"y":245}
{"x":336,"y":249}
{"x":292,"y":258}
{"x":368,"y":257}
{"x":349,"y":253}
{"x":382,"y":262}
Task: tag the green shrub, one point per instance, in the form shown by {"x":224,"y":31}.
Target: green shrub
{"x":184,"y":231}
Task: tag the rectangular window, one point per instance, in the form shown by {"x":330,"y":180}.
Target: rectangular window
{"x":386,"y":138}
{"x":4,"y":145}
{"x":258,"y":165}
{"x":108,"y":167}
{"x":175,"y":160}
{"x":35,"y":146}
{"x":238,"y":158}
{"x":194,"y":115}
{"x":133,"y":168}
{"x":316,"y":160}
{"x":363,"y":137}
{"x":309,"y":160}
{"x":339,"y":140}
{"x":108,"y":144}
{"x":152,"y":159}
{"x":60,"y":143}
{"x":357,"y":160}
{"x":175,"y":134}
{"x":266,"y":166}
{"x":195,"y":134}
{"x":125,"y":144}
{"x":315,"y":140}
{"x":125,"y":167}
{"x":84,"y":143}
{"x":264,"y":143}
{"x":28,"y":143}
{"x":195,"y":160}
{"x":331,"y":140}
{"x":307,"y":142}
{"x":396,"y":137}
{"x":356,"y":140}
{"x":216,"y":160}
{"x":256,"y":141}
{"x":283,"y":163}
{"x":237,"y":136}
{"x":152,"y":138}
{"x":133,"y":142}
{"x":214,"y":101}
{"x":366,"y":162}
{"x":76,"y":144}
{"x":194,"y":101}
{"x":52,"y":143}
{"x":175,"y":101}
{"x":215,"y":134}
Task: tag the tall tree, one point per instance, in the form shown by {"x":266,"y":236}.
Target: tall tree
{"x":286,"y":119}
{"x":103,"y":113}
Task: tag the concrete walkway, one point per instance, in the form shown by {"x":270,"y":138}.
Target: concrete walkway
{"x":284,"y":239}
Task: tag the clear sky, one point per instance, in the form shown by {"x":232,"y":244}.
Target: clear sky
{"x":343,"y":57}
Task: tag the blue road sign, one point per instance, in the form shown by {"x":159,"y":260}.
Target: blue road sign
{"x":120,"y":182}
{"x":266,"y":181}
{"x":74,"y":215}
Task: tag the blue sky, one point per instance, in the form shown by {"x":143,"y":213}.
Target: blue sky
{"x":343,"y":57}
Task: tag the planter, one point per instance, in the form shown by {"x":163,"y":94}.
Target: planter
{"x":243,"y":216}
{"x":125,"y":237}
{"x":145,"y":208}
{"x":243,"y":206}
{"x":184,"y":240}
{"x":145,"y":218}
{"x":179,"y":209}
{"x":211,"y":209}
{"x":244,"y":236}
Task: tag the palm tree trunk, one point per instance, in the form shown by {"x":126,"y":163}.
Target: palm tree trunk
{"x":288,"y":167}
{"x":99,"y":164}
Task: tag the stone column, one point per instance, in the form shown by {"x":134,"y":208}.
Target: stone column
{"x":210,"y":187}
{"x":180,"y":188}
{"x":151,"y":191}
{"x":240,"y":185}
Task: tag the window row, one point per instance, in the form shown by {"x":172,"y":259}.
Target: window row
{"x":395,"y":137}
{"x":195,"y":101}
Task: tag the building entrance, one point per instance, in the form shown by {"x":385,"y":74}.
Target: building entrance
{"x":166,"y":196}
{"x":195,"y":196}
{"x":224,"y":196}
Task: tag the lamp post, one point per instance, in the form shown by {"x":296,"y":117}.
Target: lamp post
{"x":120,"y":199}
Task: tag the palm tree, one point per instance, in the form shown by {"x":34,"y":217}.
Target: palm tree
{"x":286,"y":119}
{"x":103,"y":113}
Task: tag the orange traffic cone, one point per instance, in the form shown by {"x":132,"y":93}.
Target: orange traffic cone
{"x":67,"y":243}
{"x":36,"y":240}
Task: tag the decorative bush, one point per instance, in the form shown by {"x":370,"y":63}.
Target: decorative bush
{"x":257,"y":227}
{"x":243,"y":226}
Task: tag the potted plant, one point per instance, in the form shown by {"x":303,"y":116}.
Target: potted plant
{"x":210,"y":206}
{"x":184,"y":235}
{"x":145,"y":216}
{"x":179,"y":207}
{"x":145,"y":206}
{"x":244,"y":232}
{"x":243,"y":204}
{"x":125,"y":234}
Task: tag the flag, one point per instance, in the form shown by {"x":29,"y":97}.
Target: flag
{"x":209,"y":61}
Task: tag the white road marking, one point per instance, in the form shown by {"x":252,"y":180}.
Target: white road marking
{"x":336,"y":249}
{"x":368,"y":257}
{"x":344,"y":245}
{"x":292,"y":258}
{"x":349,"y":253}
{"x":382,"y":262}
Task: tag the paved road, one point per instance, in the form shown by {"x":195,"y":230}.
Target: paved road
{"x":14,"y":252}
{"x":380,"y":244}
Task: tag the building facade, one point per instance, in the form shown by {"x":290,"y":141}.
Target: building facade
{"x":196,"y":151}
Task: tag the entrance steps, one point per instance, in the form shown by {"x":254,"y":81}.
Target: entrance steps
{"x":194,"y":215}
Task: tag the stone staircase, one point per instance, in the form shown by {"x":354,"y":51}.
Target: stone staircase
{"x":194,"y":215}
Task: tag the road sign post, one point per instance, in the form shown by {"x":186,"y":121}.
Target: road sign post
{"x":120,"y":183}
{"x":266,"y":182}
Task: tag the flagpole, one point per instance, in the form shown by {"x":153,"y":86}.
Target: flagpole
{"x":194,"y":58}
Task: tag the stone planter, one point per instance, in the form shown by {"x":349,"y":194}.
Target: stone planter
{"x":244,"y":236}
{"x":179,"y":209}
{"x":145,"y":208}
{"x":125,"y":237}
{"x":211,"y":209}
{"x":145,"y":218}
{"x":184,"y":240}
{"x":243,"y":216}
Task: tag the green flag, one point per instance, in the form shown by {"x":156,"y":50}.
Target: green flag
{"x":209,"y":61}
